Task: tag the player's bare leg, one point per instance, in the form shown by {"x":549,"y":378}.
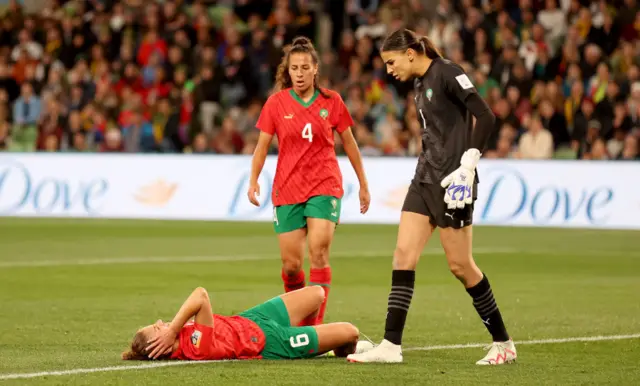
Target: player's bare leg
{"x":320,"y":236}
{"x":341,"y":338}
{"x":457,"y":244}
{"x":292,"y":255}
{"x":414,"y":232}
{"x":303,"y":303}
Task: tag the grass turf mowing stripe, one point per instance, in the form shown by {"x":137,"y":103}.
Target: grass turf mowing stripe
{"x":211,"y":258}
{"x":598,"y":338}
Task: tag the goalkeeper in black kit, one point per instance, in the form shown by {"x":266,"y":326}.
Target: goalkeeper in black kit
{"x":442,"y":192}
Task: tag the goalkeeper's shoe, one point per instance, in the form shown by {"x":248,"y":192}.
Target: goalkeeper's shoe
{"x":361,"y":347}
{"x":385,"y":352}
{"x":499,"y":353}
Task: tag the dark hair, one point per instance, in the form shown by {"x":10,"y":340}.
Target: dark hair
{"x":403,"y":39}
{"x":300,"y":44}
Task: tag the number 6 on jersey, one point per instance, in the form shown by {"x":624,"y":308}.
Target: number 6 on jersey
{"x":307,"y":133}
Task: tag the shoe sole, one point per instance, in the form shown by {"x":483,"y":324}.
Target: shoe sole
{"x":509,"y":362}
{"x":350,"y":360}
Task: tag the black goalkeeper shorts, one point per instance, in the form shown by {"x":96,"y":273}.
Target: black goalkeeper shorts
{"x":428,"y":200}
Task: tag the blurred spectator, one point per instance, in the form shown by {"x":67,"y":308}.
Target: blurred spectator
{"x":536,"y":142}
{"x":562,"y":76}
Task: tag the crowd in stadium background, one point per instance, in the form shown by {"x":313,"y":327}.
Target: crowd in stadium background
{"x":562,"y":77}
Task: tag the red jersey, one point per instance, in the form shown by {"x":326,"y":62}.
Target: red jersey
{"x":307,"y":163}
{"x":231,"y":337}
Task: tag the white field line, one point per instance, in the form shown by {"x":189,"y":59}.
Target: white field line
{"x":598,"y":338}
{"x":212,"y":258}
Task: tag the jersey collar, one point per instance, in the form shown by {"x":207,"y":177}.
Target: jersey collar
{"x":303,"y":103}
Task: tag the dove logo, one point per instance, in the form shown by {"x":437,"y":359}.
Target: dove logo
{"x":33,"y":190}
{"x":156,"y":194}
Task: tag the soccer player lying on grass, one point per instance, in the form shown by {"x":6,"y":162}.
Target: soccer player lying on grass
{"x":262,"y":332}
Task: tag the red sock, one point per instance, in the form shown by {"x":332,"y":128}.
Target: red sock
{"x":321,"y":277}
{"x":293,"y":282}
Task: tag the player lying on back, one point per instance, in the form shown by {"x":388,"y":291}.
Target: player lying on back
{"x":266,"y":331}
{"x":307,"y":188}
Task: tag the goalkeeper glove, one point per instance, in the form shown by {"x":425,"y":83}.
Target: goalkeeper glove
{"x":459,"y":184}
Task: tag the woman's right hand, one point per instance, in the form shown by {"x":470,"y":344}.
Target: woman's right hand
{"x":254,"y":193}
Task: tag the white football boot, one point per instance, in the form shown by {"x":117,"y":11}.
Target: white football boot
{"x":361,"y":347}
{"x":499,"y":353}
{"x":385,"y":352}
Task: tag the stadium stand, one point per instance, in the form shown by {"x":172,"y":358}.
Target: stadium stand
{"x":563,"y":78}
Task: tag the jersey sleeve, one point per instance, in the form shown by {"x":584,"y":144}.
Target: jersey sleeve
{"x":342,"y":116}
{"x":456,"y":83}
{"x":266,"y":121}
{"x":196,"y":341}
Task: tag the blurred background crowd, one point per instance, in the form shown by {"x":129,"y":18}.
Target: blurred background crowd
{"x":180,"y":76}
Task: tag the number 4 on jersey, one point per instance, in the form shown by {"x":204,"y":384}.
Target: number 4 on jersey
{"x":307,"y":133}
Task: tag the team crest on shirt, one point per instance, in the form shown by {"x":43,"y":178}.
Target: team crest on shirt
{"x":324,"y":113}
{"x":429,"y":94}
{"x":195,"y":338}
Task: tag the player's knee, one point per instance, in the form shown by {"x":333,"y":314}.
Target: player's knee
{"x":319,"y":255}
{"x":348,"y":331}
{"x":404,"y":258}
{"x":317,"y":293}
{"x":352,"y":332}
{"x":291,"y":266}
{"x":461,"y":270}
{"x":456,"y":269}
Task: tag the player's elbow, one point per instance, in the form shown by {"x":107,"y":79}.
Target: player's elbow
{"x":202,"y":293}
{"x":486,"y":121}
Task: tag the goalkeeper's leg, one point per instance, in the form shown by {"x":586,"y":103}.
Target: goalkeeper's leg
{"x":457,"y":246}
{"x":413,"y":234}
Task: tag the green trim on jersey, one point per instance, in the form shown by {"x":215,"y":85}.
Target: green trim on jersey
{"x":303,"y":103}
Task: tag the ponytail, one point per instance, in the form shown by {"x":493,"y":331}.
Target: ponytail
{"x":133,"y":356}
{"x":429,"y":48}
{"x":138,"y":349}
{"x":403,"y":39}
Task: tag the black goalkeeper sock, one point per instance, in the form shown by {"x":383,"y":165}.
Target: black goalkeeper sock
{"x":487,"y":308}
{"x":402,"y":283}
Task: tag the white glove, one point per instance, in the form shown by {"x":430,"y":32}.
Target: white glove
{"x":459,"y":184}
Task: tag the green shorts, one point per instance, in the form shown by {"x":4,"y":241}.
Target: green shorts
{"x":287,"y":218}
{"x":282,"y":340}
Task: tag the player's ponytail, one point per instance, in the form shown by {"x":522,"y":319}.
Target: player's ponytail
{"x":429,"y":48}
{"x":138,"y":350}
{"x":403,"y":39}
{"x":300,"y":44}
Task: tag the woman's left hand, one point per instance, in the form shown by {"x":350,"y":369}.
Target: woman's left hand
{"x":162,"y":344}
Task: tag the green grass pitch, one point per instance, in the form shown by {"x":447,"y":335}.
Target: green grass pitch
{"x":73,"y":292}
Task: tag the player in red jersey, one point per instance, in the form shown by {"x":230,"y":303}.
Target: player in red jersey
{"x":266,"y":331}
{"x":307,"y":189}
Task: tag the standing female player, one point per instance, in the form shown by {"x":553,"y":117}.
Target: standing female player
{"x":307,"y":188}
{"x":446,"y":100}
